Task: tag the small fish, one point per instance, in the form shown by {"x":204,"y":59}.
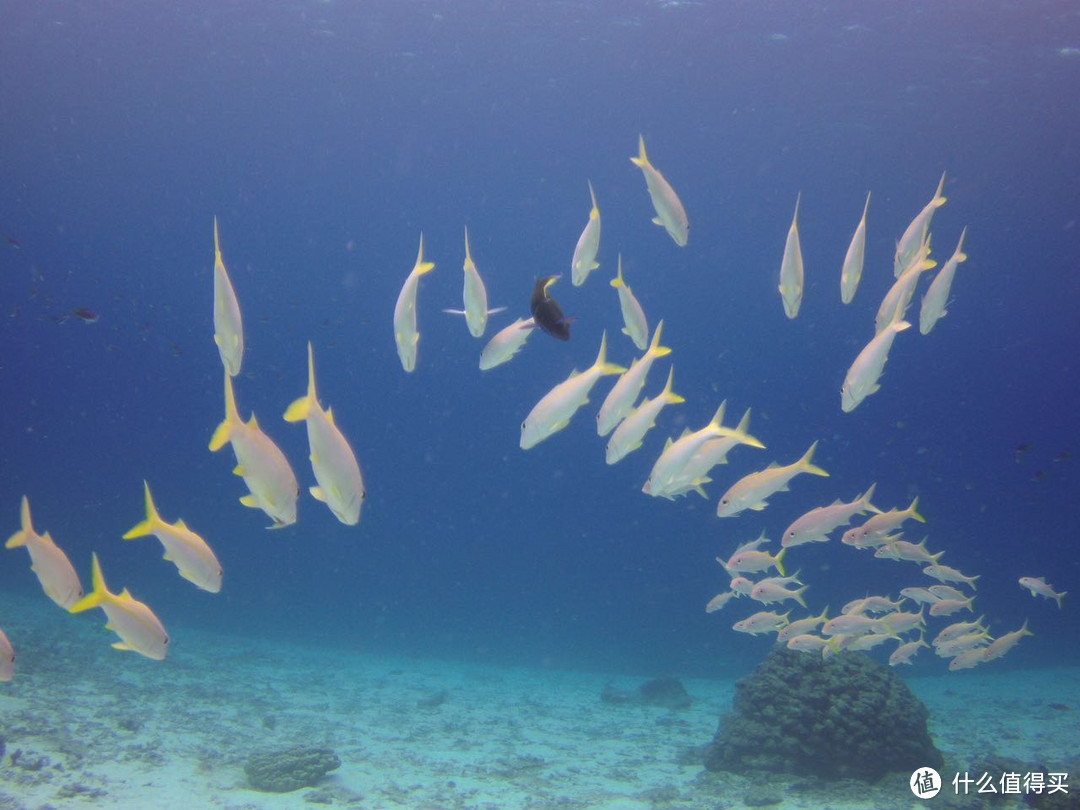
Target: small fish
{"x":882,"y":524}
{"x":815,"y":525}
{"x":917,"y":232}
{"x":968,"y":659}
{"x":7,"y":658}
{"x":406,"y":335}
{"x":851,"y":273}
{"x":768,"y":593}
{"x":557,"y":407}
{"x":271,"y":483}
{"x":228,"y":324}
{"x":945,"y":573}
{"x":714,"y":604}
{"x":588,"y":245}
{"x":85,"y":315}
{"x":791,"y":268}
{"x":546,"y":312}
{"x":902,"y":550}
{"x":999,"y":646}
{"x":475,"y":297}
{"x":1039,"y":587}
{"x":1060,"y":457}
{"x":862,"y":378}
{"x":947,"y":607}
{"x":631,"y":431}
{"x":11,"y":240}
{"x":190,"y":554}
{"x":906,"y":652}
{"x":802,"y":626}
{"x":753,"y":491}
{"x":47,"y":560}
{"x":139,"y":629}
{"x":669,"y":208}
{"x":714,"y":451}
{"x":937,"y":296}
{"x":897,"y":300}
{"x":751,"y":561}
{"x":762,"y":622}
{"x":637,"y":327}
{"x":339,"y":482}
{"x":506,"y":343}
{"x":622,"y":396}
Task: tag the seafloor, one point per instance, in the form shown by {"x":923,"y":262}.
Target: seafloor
{"x":85,"y":726}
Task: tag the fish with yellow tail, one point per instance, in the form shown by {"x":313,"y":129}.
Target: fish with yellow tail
{"x":631,"y":431}
{"x":851,"y":272}
{"x":406,"y":335}
{"x":48,"y":561}
{"x":791,"y":267}
{"x":139,"y":629}
{"x":475,"y":297}
{"x":7,"y":658}
{"x":228,"y":325}
{"x":557,"y":407}
{"x":637,"y":326}
{"x":937,"y":295}
{"x":507,"y":342}
{"x":670,"y":213}
{"x":862,"y":378}
{"x":753,"y":491}
{"x":271,"y":483}
{"x":191,"y":555}
{"x":1038,"y":586}
{"x":622,"y":396}
{"x":340,"y":484}
{"x":588,"y":245}
{"x":917,"y":232}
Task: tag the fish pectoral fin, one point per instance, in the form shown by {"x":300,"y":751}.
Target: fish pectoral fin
{"x":758,"y":507}
{"x":318,"y":494}
{"x":658,"y":221}
{"x":249,"y":501}
{"x":217,"y":340}
{"x":122,"y":645}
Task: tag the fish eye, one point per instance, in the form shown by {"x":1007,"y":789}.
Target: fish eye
{"x":522,"y":425}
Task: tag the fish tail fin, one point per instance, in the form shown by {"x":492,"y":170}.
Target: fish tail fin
{"x":26,"y":526}
{"x":642,"y":160}
{"x":298,"y":411}
{"x":1024,"y":629}
{"x":866,"y":207}
{"x":601,"y":364}
{"x":618,"y":281}
{"x":864,"y":499}
{"x":153,"y":519}
{"x":224,"y":431}
{"x":807,"y":467}
{"x":742,"y":430}
{"x":670,"y":397}
{"x":799,"y":595}
{"x":217,"y":243}
{"x":914,"y":510}
{"x":939,"y":198}
{"x":421,"y":266}
{"x":960,"y":255}
{"x":594,"y":212}
{"x":1059,"y":597}
{"x":655,"y":349}
{"x":718,"y":418}
{"x":98,"y":595}
{"x":468,"y":253}
{"x":780,"y":562}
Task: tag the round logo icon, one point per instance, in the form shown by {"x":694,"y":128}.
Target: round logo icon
{"x":925,"y":783}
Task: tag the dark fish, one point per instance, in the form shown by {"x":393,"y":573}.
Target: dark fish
{"x":11,"y":240}
{"x":86,"y":315}
{"x":1021,"y":450}
{"x":1060,"y":457}
{"x":546,"y":313}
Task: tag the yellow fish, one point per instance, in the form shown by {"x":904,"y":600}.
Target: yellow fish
{"x":190,"y":554}
{"x":139,"y":629}
{"x":406,"y":335}
{"x":228,"y":326}
{"x":271,"y":483}
{"x":669,"y":208}
{"x":791,"y":268}
{"x":588,"y":245}
{"x":340,"y":485}
{"x":54,"y":570}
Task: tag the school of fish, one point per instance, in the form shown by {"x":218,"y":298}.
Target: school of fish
{"x":682,"y":466}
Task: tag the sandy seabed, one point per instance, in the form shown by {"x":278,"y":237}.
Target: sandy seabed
{"x":99,"y":728}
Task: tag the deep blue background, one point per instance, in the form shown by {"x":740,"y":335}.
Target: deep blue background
{"x":326,"y":136}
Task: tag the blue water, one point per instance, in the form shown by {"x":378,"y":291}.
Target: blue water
{"x":327,"y":136}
